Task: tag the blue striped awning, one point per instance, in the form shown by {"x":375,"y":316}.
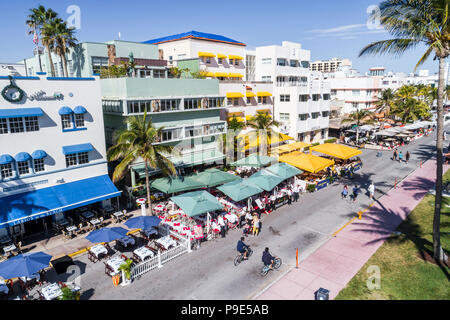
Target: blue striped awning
{"x":79,"y":110}
{"x":85,"y":147}
{"x":21,"y":112}
{"x":6,"y":158}
{"x":39,"y":154}
{"x":22,"y":156}
{"x":27,"y":206}
{"x":65,"y":110}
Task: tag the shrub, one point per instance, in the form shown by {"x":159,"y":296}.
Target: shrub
{"x":332,"y":140}
{"x":311,"y":187}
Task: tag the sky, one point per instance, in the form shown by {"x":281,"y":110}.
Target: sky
{"x":329,"y":28}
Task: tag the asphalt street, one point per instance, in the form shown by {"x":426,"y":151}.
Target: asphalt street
{"x":209,"y":273}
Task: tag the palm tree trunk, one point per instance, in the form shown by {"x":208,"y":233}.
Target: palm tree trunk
{"x":52,"y":67}
{"x":64,"y":59}
{"x":147,"y":183}
{"x":437,"y":248}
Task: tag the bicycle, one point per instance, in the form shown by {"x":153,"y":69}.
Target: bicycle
{"x":265,"y":269}
{"x":240,"y":257}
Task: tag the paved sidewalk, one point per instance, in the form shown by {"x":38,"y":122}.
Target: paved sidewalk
{"x":335,"y":263}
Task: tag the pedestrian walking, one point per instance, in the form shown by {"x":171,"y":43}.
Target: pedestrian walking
{"x":289,"y":195}
{"x":255,"y":224}
{"x":296,"y":191}
{"x":407,"y":157}
{"x":371,"y":190}
{"x":344,"y":192}
{"x":221,"y":224}
{"x":355,"y":193}
{"x":394,"y":156}
{"x":400,"y":156}
{"x":273,"y":199}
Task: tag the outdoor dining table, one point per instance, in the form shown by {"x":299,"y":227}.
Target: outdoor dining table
{"x":148,"y":232}
{"x":115,"y":263}
{"x":126,"y":241}
{"x":95,"y":222}
{"x":98,"y":250}
{"x":71,"y":228}
{"x":143,"y":253}
{"x":10,"y":248}
{"x":159,"y":208}
{"x":119,"y":215}
{"x":52,"y":291}
{"x":166,"y":242}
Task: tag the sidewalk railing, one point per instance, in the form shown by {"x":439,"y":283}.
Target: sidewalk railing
{"x":162,"y":258}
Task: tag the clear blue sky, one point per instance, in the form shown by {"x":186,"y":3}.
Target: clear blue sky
{"x":329,"y":28}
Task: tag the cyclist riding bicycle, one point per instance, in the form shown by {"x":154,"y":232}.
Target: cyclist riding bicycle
{"x":242,"y":247}
{"x":267,"y":258}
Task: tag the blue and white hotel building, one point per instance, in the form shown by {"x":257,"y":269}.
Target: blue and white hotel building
{"x":52,"y":151}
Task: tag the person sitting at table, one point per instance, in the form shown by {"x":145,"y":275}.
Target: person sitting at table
{"x":248,"y":217}
{"x":232,"y":218}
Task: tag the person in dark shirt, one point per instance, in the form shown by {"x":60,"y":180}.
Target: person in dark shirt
{"x":242,"y":247}
{"x":267,"y":258}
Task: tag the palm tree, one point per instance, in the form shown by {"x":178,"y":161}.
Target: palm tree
{"x":384,"y":103}
{"x":414,"y":22}
{"x":410,"y":109}
{"x":360,"y":117}
{"x":262,"y":121}
{"x":37,"y":18}
{"x":138,"y":142}
{"x":64,"y":39}
{"x":235,"y":125}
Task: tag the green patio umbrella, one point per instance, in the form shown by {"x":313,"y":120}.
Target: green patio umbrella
{"x":214,"y":177}
{"x":265,"y":179}
{"x":254,"y":160}
{"x":239,"y":190}
{"x":197,"y":202}
{"x":176,"y":184}
{"x":284,"y":170}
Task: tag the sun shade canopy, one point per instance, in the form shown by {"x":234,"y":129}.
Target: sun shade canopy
{"x":214,"y":177}
{"x":234,"y":95}
{"x":307,"y":162}
{"x":176,"y":184}
{"x":197,"y":203}
{"x":239,"y":190}
{"x":292,"y":147}
{"x":206,"y":54}
{"x":265,"y":179}
{"x":284,"y":170}
{"x":336,"y":150}
{"x":254,"y":160}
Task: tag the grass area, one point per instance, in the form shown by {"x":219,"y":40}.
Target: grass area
{"x":404,"y":275}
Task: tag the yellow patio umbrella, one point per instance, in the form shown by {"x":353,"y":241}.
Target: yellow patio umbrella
{"x":292,"y":147}
{"x":273,"y":138}
{"x":306,"y":162}
{"x":336,"y":150}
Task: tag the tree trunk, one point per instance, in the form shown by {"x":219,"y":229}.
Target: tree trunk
{"x":147,"y":183}
{"x":52,"y":67}
{"x":64,"y":61}
{"x":437,"y":248}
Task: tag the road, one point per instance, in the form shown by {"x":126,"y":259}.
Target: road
{"x":209,"y":273}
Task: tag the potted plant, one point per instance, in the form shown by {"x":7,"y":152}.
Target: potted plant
{"x":311,"y":187}
{"x":68,"y":294}
{"x":126,"y":272}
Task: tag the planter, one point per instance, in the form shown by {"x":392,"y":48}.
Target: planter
{"x":125,"y":281}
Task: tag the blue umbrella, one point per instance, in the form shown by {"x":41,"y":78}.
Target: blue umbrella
{"x":24,"y":265}
{"x":107,"y":234}
{"x":143,"y":222}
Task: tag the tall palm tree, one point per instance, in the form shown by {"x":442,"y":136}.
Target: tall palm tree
{"x":138,"y":143}
{"x":410,"y":109}
{"x":37,"y":18}
{"x":262,"y":121}
{"x":49,"y":32}
{"x":362,"y":116}
{"x":235,"y":124}
{"x":426,"y":22}
{"x":64,"y":40}
{"x":384,"y":103}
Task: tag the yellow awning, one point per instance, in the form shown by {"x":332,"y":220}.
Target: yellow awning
{"x":235,"y":75}
{"x":275,"y":137}
{"x":222,"y":74}
{"x":250,"y":94}
{"x":206,"y":54}
{"x":210,"y":74}
{"x":292,"y":147}
{"x":234,"y":95}
{"x":306,"y":162}
{"x":336,"y":150}
{"x":223,"y":56}
{"x":234,"y":57}
{"x":264,"y":94}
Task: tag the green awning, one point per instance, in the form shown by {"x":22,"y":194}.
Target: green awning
{"x":214,"y":177}
{"x":265,"y":180}
{"x":254,"y":160}
{"x":197,"y":202}
{"x":239,"y":190}
{"x":284,"y":170}
{"x":176,"y":184}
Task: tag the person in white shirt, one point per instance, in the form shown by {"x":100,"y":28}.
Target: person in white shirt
{"x":289,"y":195}
{"x":273,"y":198}
{"x":222,"y":225}
{"x":248,"y":217}
{"x":296,"y":191}
{"x":371,"y":190}
{"x":232,"y":218}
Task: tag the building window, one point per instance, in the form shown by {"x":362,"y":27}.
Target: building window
{"x":303,"y":116}
{"x":323,"y":134}
{"x":6,"y":170}
{"x":213,"y":128}
{"x":71,"y":160}
{"x":236,"y":62}
{"x":208,"y":60}
{"x":249,"y":100}
{"x":133,"y":107}
{"x":219,"y":60}
{"x":66,"y":120}
{"x":266,"y":78}
{"x":215,"y":102}
{"x":285,"y":97}
{"x":83,"y":158}
{"x":3,"y":126}
{"x":325,"y":114}
{"x":293,"y":63}
{"x":284,"y":116}
{"x":159,"y":73}
{"x":230,"y":61}
{"x":305,"y":64}
{"x":98,"y":63}
{"x":355,"y":92}
{"x":38,"y":165}
{"x":355,"y":105}
{"x":193,"y":131}
{"x":301,"y":136}
{"x":281,"y":62}
{"x":303,"y":97}
{"x":170,"y":104}
{"x":23,"y":167}
{"x":31,"y":124}
{"x":326,"y":96}
{"x":315,"y":115}
{"x":190,"y":104}
{"x":16,"y":125}
{"x":266,"y":61}
{"x":262,"y":100}
{"x":315,"y":97}
{"x":79,"y":120}
{"x":171,"y":134}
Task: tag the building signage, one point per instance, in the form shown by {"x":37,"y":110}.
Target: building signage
{"x":25,"y":185}
{"x":41,"y":96}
